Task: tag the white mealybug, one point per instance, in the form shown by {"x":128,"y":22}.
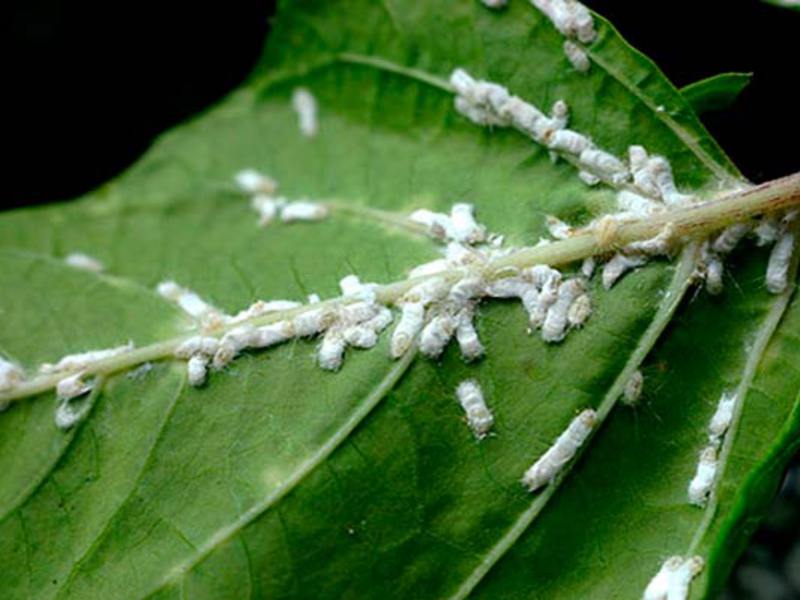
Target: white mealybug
{"x":658,"y":245}
{"x":312,"y":322}
{"x":559,"y":113}
{"x":436,"y":334}
{"x":681,"y":579}
{"x":588,"y":178}
{"x":202,"y":345}
{"x":190,"y":302}
{"x":494,"y":3}
{"x":75,"y":362}
{"x":662,"y":175}
{"x":314,"y":299}
{"x":638,"y":206}
{"x":722,"y":417}
{"x":588,"y":266}
{"x":570,"y":17}
{"x":730,"y":237}
{"x":618,"y":266}
{"x":557,"y":228}
{"x":331,"y":350}
{"x":250,"y":180}
{"x":72,"y":387}
{"x":79,"y":260}
{"x":561,"y":452}
{"x":767,"y":231}
{"x":479,"y":417}
{"x":778,"y":265}
{"x":633,"y":389}
{"x":713,"y":275}
{"x":522,"y":115}
{"x":467,"y":337}
{"x":67,"y":416}
{"x":659,"y":585}
{"x":305,"y":105}
{"x":427,"y":292}
{"x":703,"y":480}
{"x":196,"y":370}
{"x":508,"y":287}
{"x":477,"y":114}
{"x":10,"y":375}
{"x":571,"y":142}
{"x":303,"y":210}
{"x":579,"y":311}
{"x":577,"y":56}
{"x":554,"y":328}
{"x":464,"y":226}
{"x":603,"y":163}
{"x":412,"y":318}
{"x":272,"y":334}
{"x":429,"y":268}
{"x":438,"y":224}
{"x":267,"y":207}
{"x":465,"y":290}
{"x":353,"y":287}
{"x":360,"y":336}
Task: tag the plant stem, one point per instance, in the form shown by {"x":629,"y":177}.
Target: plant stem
{"x":689,"y":223}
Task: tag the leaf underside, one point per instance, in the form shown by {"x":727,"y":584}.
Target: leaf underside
{"x":280,"y":480}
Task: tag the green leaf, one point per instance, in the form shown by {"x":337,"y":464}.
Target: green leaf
{"x":279,"y":479}
{"x":790,"y":4}
{"x":717,"y":92}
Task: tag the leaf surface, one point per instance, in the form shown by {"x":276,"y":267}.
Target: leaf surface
{"x":279,"y":479}
{"x":717,"y":92}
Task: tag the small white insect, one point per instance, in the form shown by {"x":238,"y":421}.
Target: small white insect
{"x":464,"y":226}
{"x":196,"y":370}
{"x":658,"y":245}
{"x":659,"y":585}
{"x":589,"y":179}
{"x":66,"y":415}
{"x":271,"y":335}
{"x":703,"y":481}
{"x":570,"y":17}
{"x":11,"y":375}
{"x":633,"y":389}
{"x":479,"y":417}
{"x":730,"y":237}
{"x":360,"y":336}
{"x":662,"y":175}
{"x":465,"y":290}
{"x":588,"y":266}
{"x":331,"y":350}
{"x":190,"y":302}
{"x":202,"y":345}
{"x":561,"y":452}
{"x":476,"y":114}
{"x":436,"y":334}
{"x":638,"y":206}
{"x":79,"y":260}
{"x":314,"y":299}
{"x":722,"y":417}
{"x":508,"y":287}
{"x":75,"y":362}
{"x":353,"y":287}
{"x":267,"y":207}
{"x":577,"y":57}
{"x":494,"y":3}
{"x":711,"y":269}
{"x":312,"y":322}
{"x":579,"y":311}
{"x":618,"y":266}
{"x":303,"y":210}
{"x":571,"y":142}
{"x":250,"y":180}
{"x":427,"y":292}
{"x":779,"y":261}
{"x":492,"y":97}
{"x":604,"y":163}
{"x":467,"y":337}
{"x":559,"y":113}
{"x":557,"y":228}
{"x":412,"y":318}
{"x":767,"y":231}
{"x":305,"y":105}
{"x":72,"y":387}
{"x":523,"y":116}
{"x":681,"y":580}
{"x":438,"y":224}
{"x":554,"y":328}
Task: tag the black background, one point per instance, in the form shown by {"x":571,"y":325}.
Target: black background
{"x":91,"y":83}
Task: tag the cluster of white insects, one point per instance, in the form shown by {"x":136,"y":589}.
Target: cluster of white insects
{"x":442,"y":306}
{"x":269,"y":206}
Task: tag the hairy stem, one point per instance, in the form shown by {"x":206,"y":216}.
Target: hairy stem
{"x":688,"y":223}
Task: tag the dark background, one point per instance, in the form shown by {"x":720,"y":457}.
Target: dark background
{"x":89,"y":85}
